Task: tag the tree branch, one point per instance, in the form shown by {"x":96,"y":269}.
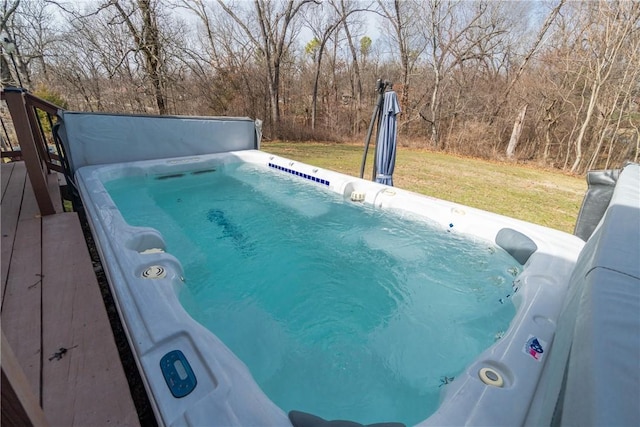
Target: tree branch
{"x":532,"y":51}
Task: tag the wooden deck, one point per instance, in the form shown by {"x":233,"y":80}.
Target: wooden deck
{"x":53,"y":315}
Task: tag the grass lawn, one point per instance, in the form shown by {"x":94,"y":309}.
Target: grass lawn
{"x":541,"y":196}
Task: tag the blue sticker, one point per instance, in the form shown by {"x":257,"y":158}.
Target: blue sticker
{"x":535,"y":347}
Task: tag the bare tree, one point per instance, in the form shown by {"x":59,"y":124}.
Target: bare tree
{"x":455,"y":63}
{"x":347,"y":9}
{"x":357,"y":91}
{"x":7,"y":45}
{"x":402,"y":16}
{"x":12,"y":27}
{"x":322,"y":26}
{"x":457,"y":33}
{"x":222,"y":65}
{"x":610,"y":24}
{"x":532,"y":50}
{"x":276,"y":30}
{"x":97,"y":59}
{"x":147,"y":38}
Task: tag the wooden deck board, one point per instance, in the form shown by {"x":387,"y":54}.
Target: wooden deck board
{"x":29,"y":206}
{"x":74,"y":318}
{"x":7,"y":169}
{"x":19,"y":404}
{"x":11,"y":201}
{"x":21,"y":304}
{"x":51,"y":300}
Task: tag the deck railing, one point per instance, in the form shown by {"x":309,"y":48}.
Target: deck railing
{"x":34,"y":120}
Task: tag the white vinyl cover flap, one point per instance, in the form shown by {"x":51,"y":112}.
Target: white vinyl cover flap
{"x":95,"y":138}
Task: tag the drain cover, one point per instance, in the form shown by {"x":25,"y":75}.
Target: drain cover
{"x":491,"y":377}
{"x":154,"y":272}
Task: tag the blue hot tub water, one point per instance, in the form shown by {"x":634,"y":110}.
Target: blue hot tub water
{"x":337,"y":308}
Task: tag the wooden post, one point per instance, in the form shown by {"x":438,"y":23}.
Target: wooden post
{"x":40,"y":143}
{"x":15,"y":101}
{"x":19,"y":405}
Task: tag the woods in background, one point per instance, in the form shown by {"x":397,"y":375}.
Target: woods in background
{"x":555,"y":82}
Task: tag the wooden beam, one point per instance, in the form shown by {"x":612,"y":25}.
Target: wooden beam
{"x":15,"y":101}
{"x":41,"y":144}
{"x":19,"y":406}
{"x":42,"y":104}
{"x":11,"y":154}
{"x":54,"y":191}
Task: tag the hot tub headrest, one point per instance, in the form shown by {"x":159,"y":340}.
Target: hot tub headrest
{"x":516,"y":244}
{"x":303,"y":419}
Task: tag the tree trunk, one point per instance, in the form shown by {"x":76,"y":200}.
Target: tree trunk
{"x":274,"y":32}
{"x":316,"y":80}
{"x":595,"y":90}
{"x":7,"y":78}
{"x":517,"y":131}
{"x":147,"y":40}
{"x":334,"y":84}
{"x":551,"y":122}
{"x":274,"y":98}
{"x":404,"y":62}
{"x":324,"y":38}
{"x":23,"y":70}
{"x":152,"y":51}
{"x":435,"y":100}
{"x":356,"y":71}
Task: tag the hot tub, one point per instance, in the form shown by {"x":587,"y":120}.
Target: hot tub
{"x":194,"y":379}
